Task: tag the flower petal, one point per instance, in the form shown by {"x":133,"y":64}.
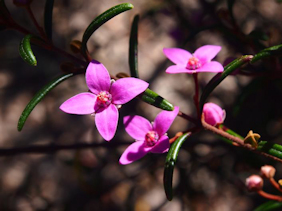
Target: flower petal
{"x":177,"y":56}
{"x":125,"y":89}
{"x":176,"y":69}
{"x":164,"y":120}
{"x":162,"y":145}
{"x":133,"y":152}
{"x":137,"y":127}
{"x":207,"y":52}
{"x":97,"y":77}
{"x":213,"y":67}
{"x":106,"y":122}
{"x":82,"y":103}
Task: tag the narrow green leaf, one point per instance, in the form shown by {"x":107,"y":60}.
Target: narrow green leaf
{"x":170,"y":163}
{"x":101,"y":19}
{"x":26,"y":52}
{"x":48,"y":16}
{"x":156,"y":100}
{"x":270,"y":148}
{"x":270,"y":205}
{"x":218,"y":78}
{"x":39,"y":96}
{"x":272,"y":51}
{"x":133,"y":48}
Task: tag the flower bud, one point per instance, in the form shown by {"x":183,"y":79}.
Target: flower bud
{"x":213,"y":114}
{"x":267,"y":171}
{"x":254,"y":183}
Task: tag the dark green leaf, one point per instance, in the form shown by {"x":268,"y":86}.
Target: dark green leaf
{"x":218,"y":78}
{"x":48,"y":14}
{"x":270,"y":205}
{"x":230,"y":4}
{"x":170,"y":163}
{"x":156,"y":100}
{"x":39,"y":96}
{"x":272,"y":51}
{"x":133,"y":48}
{"x":101,"y":19}
{"x":26,"y":52}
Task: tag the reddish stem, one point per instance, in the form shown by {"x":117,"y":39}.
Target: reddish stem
{"x":275,"y":184}
{"x":269,"y":196}
{"x":196,"y":96}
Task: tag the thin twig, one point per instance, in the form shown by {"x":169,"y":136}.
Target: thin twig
{"x":269,"y":196}
{"x":196,"y":96}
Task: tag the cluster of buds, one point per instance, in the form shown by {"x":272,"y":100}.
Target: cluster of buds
{"x":255,"y":183}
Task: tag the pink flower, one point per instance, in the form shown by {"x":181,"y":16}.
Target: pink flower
{"x":103,"y":98}
{"x":213,"y":114}
{"x":149,"y":137}
{"x":200,"y":61}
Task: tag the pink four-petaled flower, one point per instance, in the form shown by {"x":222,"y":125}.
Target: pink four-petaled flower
{"x":199,"y":61}
{"x":103,"y":98}
{"x":149,"y":137}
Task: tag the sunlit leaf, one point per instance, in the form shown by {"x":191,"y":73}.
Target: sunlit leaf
{"x":26,"y":52}
{"x":48,"y":16}
{"x":133,"y":48}
{"x":156,"y":100}
{"x":101,"y":19}
{"x":39,"y":96}
{"x":272,"y":51}
{"x":170,"y":163}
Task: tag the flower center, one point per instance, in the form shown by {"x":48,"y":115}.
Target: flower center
{"x":193,"y":63}
{"x":104,"y":98}
{"x":151,"y":138}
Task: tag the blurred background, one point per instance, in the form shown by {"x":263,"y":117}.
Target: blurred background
{"x":209,"y":174}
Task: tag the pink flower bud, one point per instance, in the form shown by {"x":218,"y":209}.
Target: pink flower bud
{"x":213,"y":114}
{"x":254,"y":183}
{"x":267,"y":171}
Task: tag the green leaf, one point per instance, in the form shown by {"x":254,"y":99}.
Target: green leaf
{"x":218,"y":78}
{"x":39,"y":96}
{"x":101,"y":19}
{"x":270,"y":148}
{"x":170,"y":163}
{"x":26,"y":52}
{"x":270,"y":205}
{"x":156,"y":100}
{"x":133,"y":48}
{"x":48,"y":14}
{"x":272,"y":51}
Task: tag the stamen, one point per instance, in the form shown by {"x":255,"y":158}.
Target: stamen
{"x":151,"y":138}
{"x":104,"y":99}
{"x":193,"y":63}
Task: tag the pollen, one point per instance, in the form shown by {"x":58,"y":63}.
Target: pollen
{"x":104,"y":98}
{"x":193,"y":63}
{"x":151,"y":138}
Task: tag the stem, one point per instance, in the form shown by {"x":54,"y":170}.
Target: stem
{"x":275,"y":184}
{"x":38,"y":27}
{"x":269,"y":196}
{"x":187,"y":117}
{"x":196,"y":96}
{"x":235,"y":139}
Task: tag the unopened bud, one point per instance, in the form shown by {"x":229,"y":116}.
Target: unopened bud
{"x":267,"y":171}
{"x":213,"y":114}
{"x":254,"y":183}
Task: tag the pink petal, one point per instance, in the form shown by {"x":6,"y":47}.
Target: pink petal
{"x":125,"y":89}
{"x":213,"y":67}
{"x":164,"y":120}
{"x":177,"y":55}
{"x":162,"y":146}
{"x":97,"y":77}
{"x":133,"y":152}
{"x":137,"y":127}
{"x":82,"y":103}
{"x":176,"y":69}
{"x":207,"y":52}
{"x":106,"y":122}
{"x":213,"y":114}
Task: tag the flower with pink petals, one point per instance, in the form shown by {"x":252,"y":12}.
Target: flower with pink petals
{"x":104,"y":98}
{"x":150,"y":137}
{"x":199,"y":61}
{"x":213,"y":114}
